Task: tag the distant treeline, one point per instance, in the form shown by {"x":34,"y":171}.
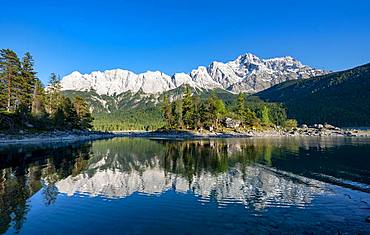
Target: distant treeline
{"x":135,"y":119}
{"x":26,"y":105}
{"x":192,"y":113}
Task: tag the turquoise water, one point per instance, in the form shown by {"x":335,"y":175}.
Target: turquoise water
{"x":228,"y":186}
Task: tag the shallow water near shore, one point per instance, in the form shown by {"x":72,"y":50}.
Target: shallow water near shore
{"x":219,"y":186}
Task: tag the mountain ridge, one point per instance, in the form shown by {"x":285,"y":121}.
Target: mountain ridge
{"x":340,"y":98}
{"x":247,"y":73}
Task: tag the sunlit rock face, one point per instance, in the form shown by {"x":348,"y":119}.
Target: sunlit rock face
{"x":255,"y":186}
{"x":247,"y":73}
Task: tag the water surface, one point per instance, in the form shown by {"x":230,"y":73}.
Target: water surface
{"x":142,"y":186}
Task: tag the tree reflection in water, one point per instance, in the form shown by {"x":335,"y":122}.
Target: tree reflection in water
{"x":255,"y":172}
{"x":26,"y":171}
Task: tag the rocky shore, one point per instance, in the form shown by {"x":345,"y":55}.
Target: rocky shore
{"x":53,"y":137}
{"x":78,"y":135}
{"x":315,"y":130}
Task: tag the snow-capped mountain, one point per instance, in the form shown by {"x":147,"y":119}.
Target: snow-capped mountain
{"x":247,"y":73}
{"x":118,"y":81}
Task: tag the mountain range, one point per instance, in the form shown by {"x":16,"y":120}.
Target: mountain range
{"x":310,"y":95}
{"x":247,"y":73}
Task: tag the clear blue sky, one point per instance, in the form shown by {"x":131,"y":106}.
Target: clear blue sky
{"x":174,"y":36}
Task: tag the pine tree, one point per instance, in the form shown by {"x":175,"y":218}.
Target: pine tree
{"x":265,"y":117}
{"x":83,"y":113}
{"x":250,"y":118}
{"x":58,"y":118}
{"x":167,"y":112}
{"x":220,"y":110}
{"x":240,"y":105}
{"x":277,"y":114}
{"x":38,"y":100}
{"x":3,"y":87}
{"x":10,"y":68}
{"x":187,"y":108}
{"x":28,"y":80}
{"x":210,"y":114}
{"x":70,"y":113}
{"x":177,"y":114}
{"x":54,"y":97}
{"x":203,"y":115}
{"x":65,"y":116}
{"x":3,"y":95}
{"x":245,"y":114}
{"x":196,"y":113}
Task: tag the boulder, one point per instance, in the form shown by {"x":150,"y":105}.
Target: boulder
{"x":304,"y":126}
{"x":329,"y":127}
{"x":231,"y":123}
{"x":318,"y":126}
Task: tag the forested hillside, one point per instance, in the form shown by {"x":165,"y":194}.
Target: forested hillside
{"x":341,"y":98}
{"x":140,"y":111}
{"x":137,"y":111}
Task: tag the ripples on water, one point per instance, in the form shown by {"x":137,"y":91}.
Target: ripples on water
{"x":124,"y":185}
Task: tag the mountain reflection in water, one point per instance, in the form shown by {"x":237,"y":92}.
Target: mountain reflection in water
{"x":258,"y":173}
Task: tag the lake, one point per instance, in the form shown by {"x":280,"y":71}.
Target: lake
{"x":225,"y":186}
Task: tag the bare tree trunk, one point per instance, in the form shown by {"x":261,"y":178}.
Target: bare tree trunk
{"x":9,"y":92}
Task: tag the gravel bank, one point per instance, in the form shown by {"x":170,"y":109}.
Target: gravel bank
{"x":53,"y":137}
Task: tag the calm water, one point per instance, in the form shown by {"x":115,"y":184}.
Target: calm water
{"x":141,"y":186}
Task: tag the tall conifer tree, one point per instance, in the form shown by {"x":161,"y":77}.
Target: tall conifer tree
{"x":10,"y":68}
{"x":167,"y":113}
{"x":54,"y":97}
{"x":187,"y":108}
{"x":83,"y":113}
{"x":38,"y":100}
{"x":28,"y":81}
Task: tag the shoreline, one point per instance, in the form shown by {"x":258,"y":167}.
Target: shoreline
{"x":299,"y":132}
{"x":82,"y":136}
{"x":53,"y":137}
